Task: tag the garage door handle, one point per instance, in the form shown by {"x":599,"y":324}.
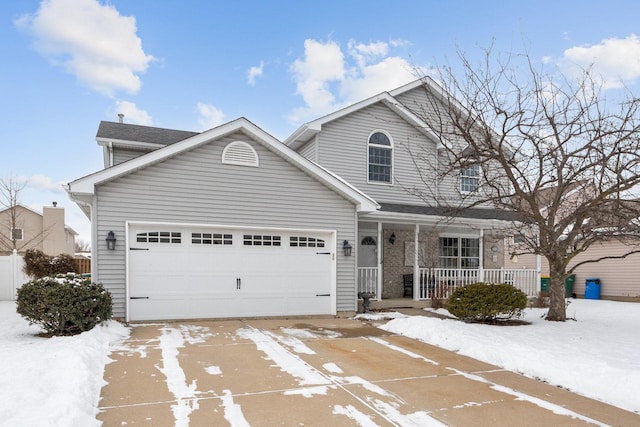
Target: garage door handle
{"x":138,"y":249}
{"x":323,"y":253}
{"x":138,"y":297}
{"x":323,"y":295}
{"x":238,"y":283}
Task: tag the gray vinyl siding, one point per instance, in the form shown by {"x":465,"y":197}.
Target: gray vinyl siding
{"x":121,"y":155}
{"x":308,"y":151}
{"x":194,"y":187}
{"x":343,"y":149}
{"x":424,"y":105}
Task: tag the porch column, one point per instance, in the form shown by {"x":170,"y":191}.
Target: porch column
{"x":416,"y":265}
{"x":481,"y":253}
{"x":379,"y":263}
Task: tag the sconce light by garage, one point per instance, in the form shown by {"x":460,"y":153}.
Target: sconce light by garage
{"x":347,"y":248}
{"x":392,"y":238}
{"x":111,"y":241}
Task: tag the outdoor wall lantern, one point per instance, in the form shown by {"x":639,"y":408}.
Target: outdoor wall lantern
{"x":392,"y":238}
{"x":111,"y":241}
{"x":347,"y":248}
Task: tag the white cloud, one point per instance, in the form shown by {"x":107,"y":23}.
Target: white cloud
{"x":41,"y":182}
{"x":254,"y":73}
{"x":615,"y":61}
{"x":323,"y":63}
{"x":91,"y":41}
{"x":328,"y":78}
{"x":132,"y":114}
{"x":210,"y":116}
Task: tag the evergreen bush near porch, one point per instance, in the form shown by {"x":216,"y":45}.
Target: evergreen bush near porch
{"x":64,"y":305}
{"x":487,"y":302}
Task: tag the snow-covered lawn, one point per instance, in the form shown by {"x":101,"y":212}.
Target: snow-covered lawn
{"x":51,"y":381}
{"x":57,"y":381}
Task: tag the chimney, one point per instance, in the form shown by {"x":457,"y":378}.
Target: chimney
{"x":120,"y":118}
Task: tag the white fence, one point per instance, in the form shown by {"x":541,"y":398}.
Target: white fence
{"x":11,"y":276}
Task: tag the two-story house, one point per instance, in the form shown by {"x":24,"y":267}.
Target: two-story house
{"x":24,"y":228}
{"x":231,"y":222}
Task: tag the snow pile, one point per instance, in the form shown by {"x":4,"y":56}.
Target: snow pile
{"x":45,"y":380}
{"x":596,"y":356}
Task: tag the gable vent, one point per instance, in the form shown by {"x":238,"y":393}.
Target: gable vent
{"x":240,"y":153}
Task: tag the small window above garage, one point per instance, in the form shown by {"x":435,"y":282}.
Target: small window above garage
{"x":305,"y":242}
{"x":159,"y":237}
{"x":240,"y":153}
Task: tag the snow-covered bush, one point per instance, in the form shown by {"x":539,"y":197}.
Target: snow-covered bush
{"x":487,"y":302}
{"x":38,"y":264}
{"x":65,"y":304}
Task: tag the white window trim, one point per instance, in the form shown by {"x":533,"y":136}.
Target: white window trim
{"x":460,"y":176}
{"x":459,"y":236}
{"x":391,"y":147}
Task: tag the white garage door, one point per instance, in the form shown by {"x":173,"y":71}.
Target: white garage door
{"x":178,"y":272}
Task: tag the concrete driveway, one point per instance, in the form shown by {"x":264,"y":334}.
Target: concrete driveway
{"x":321,"y":372}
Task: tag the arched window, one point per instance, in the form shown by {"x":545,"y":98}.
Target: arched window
{"x":380,"y":158}
{"x":368,"y":241}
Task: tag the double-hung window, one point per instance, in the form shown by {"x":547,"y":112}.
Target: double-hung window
{"x":380,"y":158}
{"x":470,"y":178}
{"x":459,"y":252}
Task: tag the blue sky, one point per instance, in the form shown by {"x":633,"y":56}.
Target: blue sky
{"x":192,"y":65}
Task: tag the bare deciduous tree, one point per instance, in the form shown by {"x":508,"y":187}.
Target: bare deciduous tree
{"x":12,"y":228}
{"x":548,"y":147}
{"x":10,"y":190}
{"x":82,"y":246}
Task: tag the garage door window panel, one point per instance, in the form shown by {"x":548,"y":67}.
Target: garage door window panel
{"x":159,"y":237}
{"x":305,"y":242}
{"x":262,"y":240}
{"x":211,"y":239}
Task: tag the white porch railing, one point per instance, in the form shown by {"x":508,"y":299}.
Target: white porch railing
{"x":368,"y":280}
{"x":441,"y":282}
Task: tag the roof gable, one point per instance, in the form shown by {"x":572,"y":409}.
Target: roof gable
{"x":81,"y":188}
{"x":310,"y":129}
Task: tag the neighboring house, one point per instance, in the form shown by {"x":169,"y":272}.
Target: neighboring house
{"x":29,"y":229}
{"x":231,"y":222}
{"x":618,"y":277}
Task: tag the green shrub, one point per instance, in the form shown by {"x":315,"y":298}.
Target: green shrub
{"x":486,"y":302}
{"x":64,"y":305}
{"x":37,"y":264}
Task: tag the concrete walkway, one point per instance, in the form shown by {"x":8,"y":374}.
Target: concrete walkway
{"x":321,"y":372}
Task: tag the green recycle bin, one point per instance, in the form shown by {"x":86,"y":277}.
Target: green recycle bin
{"x":544,"y":283}
{"x":568,"y":284}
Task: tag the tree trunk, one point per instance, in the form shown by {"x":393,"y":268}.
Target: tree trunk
{"x":557,"y":307}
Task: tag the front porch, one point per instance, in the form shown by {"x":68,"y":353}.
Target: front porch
{"x":439,"y":283}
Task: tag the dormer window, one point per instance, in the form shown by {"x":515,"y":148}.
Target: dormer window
{"x":470,"y":178}
{"x":380,"y":157}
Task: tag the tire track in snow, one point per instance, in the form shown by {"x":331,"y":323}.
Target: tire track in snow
{"x":185,"y":394}
{"x":272,"y":345}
